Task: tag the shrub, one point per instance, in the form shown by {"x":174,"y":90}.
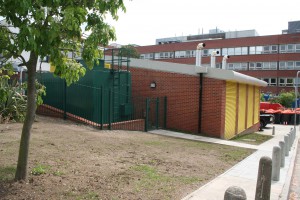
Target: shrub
{"x":285,"y":98}
{"x":12,"y":101}
{"x":12,"y":98}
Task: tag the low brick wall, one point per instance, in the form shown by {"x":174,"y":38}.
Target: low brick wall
{"x":131,"y":125}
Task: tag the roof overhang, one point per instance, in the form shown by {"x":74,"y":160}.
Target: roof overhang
{"x":233,"y":76}
{"x":221,"y":74}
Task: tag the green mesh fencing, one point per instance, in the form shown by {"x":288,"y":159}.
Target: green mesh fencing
{"x":102,"y":96}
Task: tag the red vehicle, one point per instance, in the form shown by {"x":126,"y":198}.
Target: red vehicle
{"x":268,"y":105}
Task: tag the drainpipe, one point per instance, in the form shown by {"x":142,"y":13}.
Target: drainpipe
{"x":213,"y":59}
{"x":224,"y":61}
{"x":200,"y":46}
{"x":200,"y":103}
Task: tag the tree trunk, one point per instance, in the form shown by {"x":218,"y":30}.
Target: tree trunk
{"x":21,"y":173}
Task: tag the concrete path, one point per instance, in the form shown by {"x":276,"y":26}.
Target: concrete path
{"x":244,"y":174}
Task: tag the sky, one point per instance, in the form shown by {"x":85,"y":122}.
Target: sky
{"x":147,"y":20}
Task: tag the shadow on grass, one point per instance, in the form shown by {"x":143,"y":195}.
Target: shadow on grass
{"x":7,"y":175}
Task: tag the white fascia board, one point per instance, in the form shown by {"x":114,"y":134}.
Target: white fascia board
{"x":167,"y":66}
{"x":193,"y":70}
{"x":229,"y":75}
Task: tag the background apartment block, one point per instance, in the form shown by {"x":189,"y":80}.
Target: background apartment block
{"x":273,"y":58}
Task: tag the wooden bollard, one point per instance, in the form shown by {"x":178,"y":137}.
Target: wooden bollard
{"x":235,"y":193}
{"x":263,"y":185}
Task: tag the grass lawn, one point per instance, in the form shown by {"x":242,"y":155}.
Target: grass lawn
{"x":252,"y":138}
{"x":71,"y":161}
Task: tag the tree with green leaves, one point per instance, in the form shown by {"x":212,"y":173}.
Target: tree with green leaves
{"x":284,"y":98}
{"x":128,"y":51}
{"x":53,"y":28}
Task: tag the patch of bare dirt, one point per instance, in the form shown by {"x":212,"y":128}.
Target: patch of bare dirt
{"x":81,"y":162}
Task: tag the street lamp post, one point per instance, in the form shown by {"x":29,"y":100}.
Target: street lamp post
{"x":296,"y":92}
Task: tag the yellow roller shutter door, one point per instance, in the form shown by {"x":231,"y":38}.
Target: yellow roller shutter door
{"x":230,"y":110}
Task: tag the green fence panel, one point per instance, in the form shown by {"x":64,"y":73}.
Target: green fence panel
{"x":89,"y":97}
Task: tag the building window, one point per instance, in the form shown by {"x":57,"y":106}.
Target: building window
{"x":252,"y":50}
{"x":230,"y":66}
{"x":297,"y":65}
{"x":282,"y":65}
{"x":273,"y":65}
{"x":237,"y":66}
{"x":259,"y":65}
{"x":297,"y":46}
{"x":273,"y":81}
{"x":290,"y":82}
{"x":270,"y":81}
{"x":290,"y":48}
{"x":266,"y":49}
{"x":274,"y":49}
{"x":224,"y":52}
{"x":180,"y":54}
{"x":156,"y":55}
{"x":282,"y":81}
{"x":266,"y":65}
{"x":244,"y":66}
{"x":263,"y":66}
{"x":287,"y":82}
{"x":290,"y":65}
{"x":244,"y":50}
{"x":235,"y":51}
{"x":238,"y":51}
{"x":171,"y":54}
{"x":282,"y":48}
{"x":259,"y":50}
{"x":269,"y":49}
{"x":230,"y":51}
{"x":148,"y":56}
{"x":205,"y":52}
{"x":190,"y":53}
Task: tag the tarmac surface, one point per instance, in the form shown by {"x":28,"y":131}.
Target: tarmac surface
{"x":244,"y":174}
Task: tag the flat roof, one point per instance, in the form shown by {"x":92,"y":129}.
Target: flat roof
{"x":220,"y":74}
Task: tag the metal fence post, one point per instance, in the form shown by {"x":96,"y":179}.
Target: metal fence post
{"x":157,"y":112}
{"x":147,"y":114}
{"x":65,"y":99}
{"x":165,"y":112}
{"x":110,"y":99}
{"x":102,"y":106}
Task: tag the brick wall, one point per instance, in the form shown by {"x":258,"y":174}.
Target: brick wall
{"x":213,"y":107}
{"x":181,"y":90}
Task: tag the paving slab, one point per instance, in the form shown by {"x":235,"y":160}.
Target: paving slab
{"x":244,"y":173}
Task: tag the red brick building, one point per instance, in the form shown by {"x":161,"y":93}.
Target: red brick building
{"x":215,"y":102}
{"x":274,"y":58}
